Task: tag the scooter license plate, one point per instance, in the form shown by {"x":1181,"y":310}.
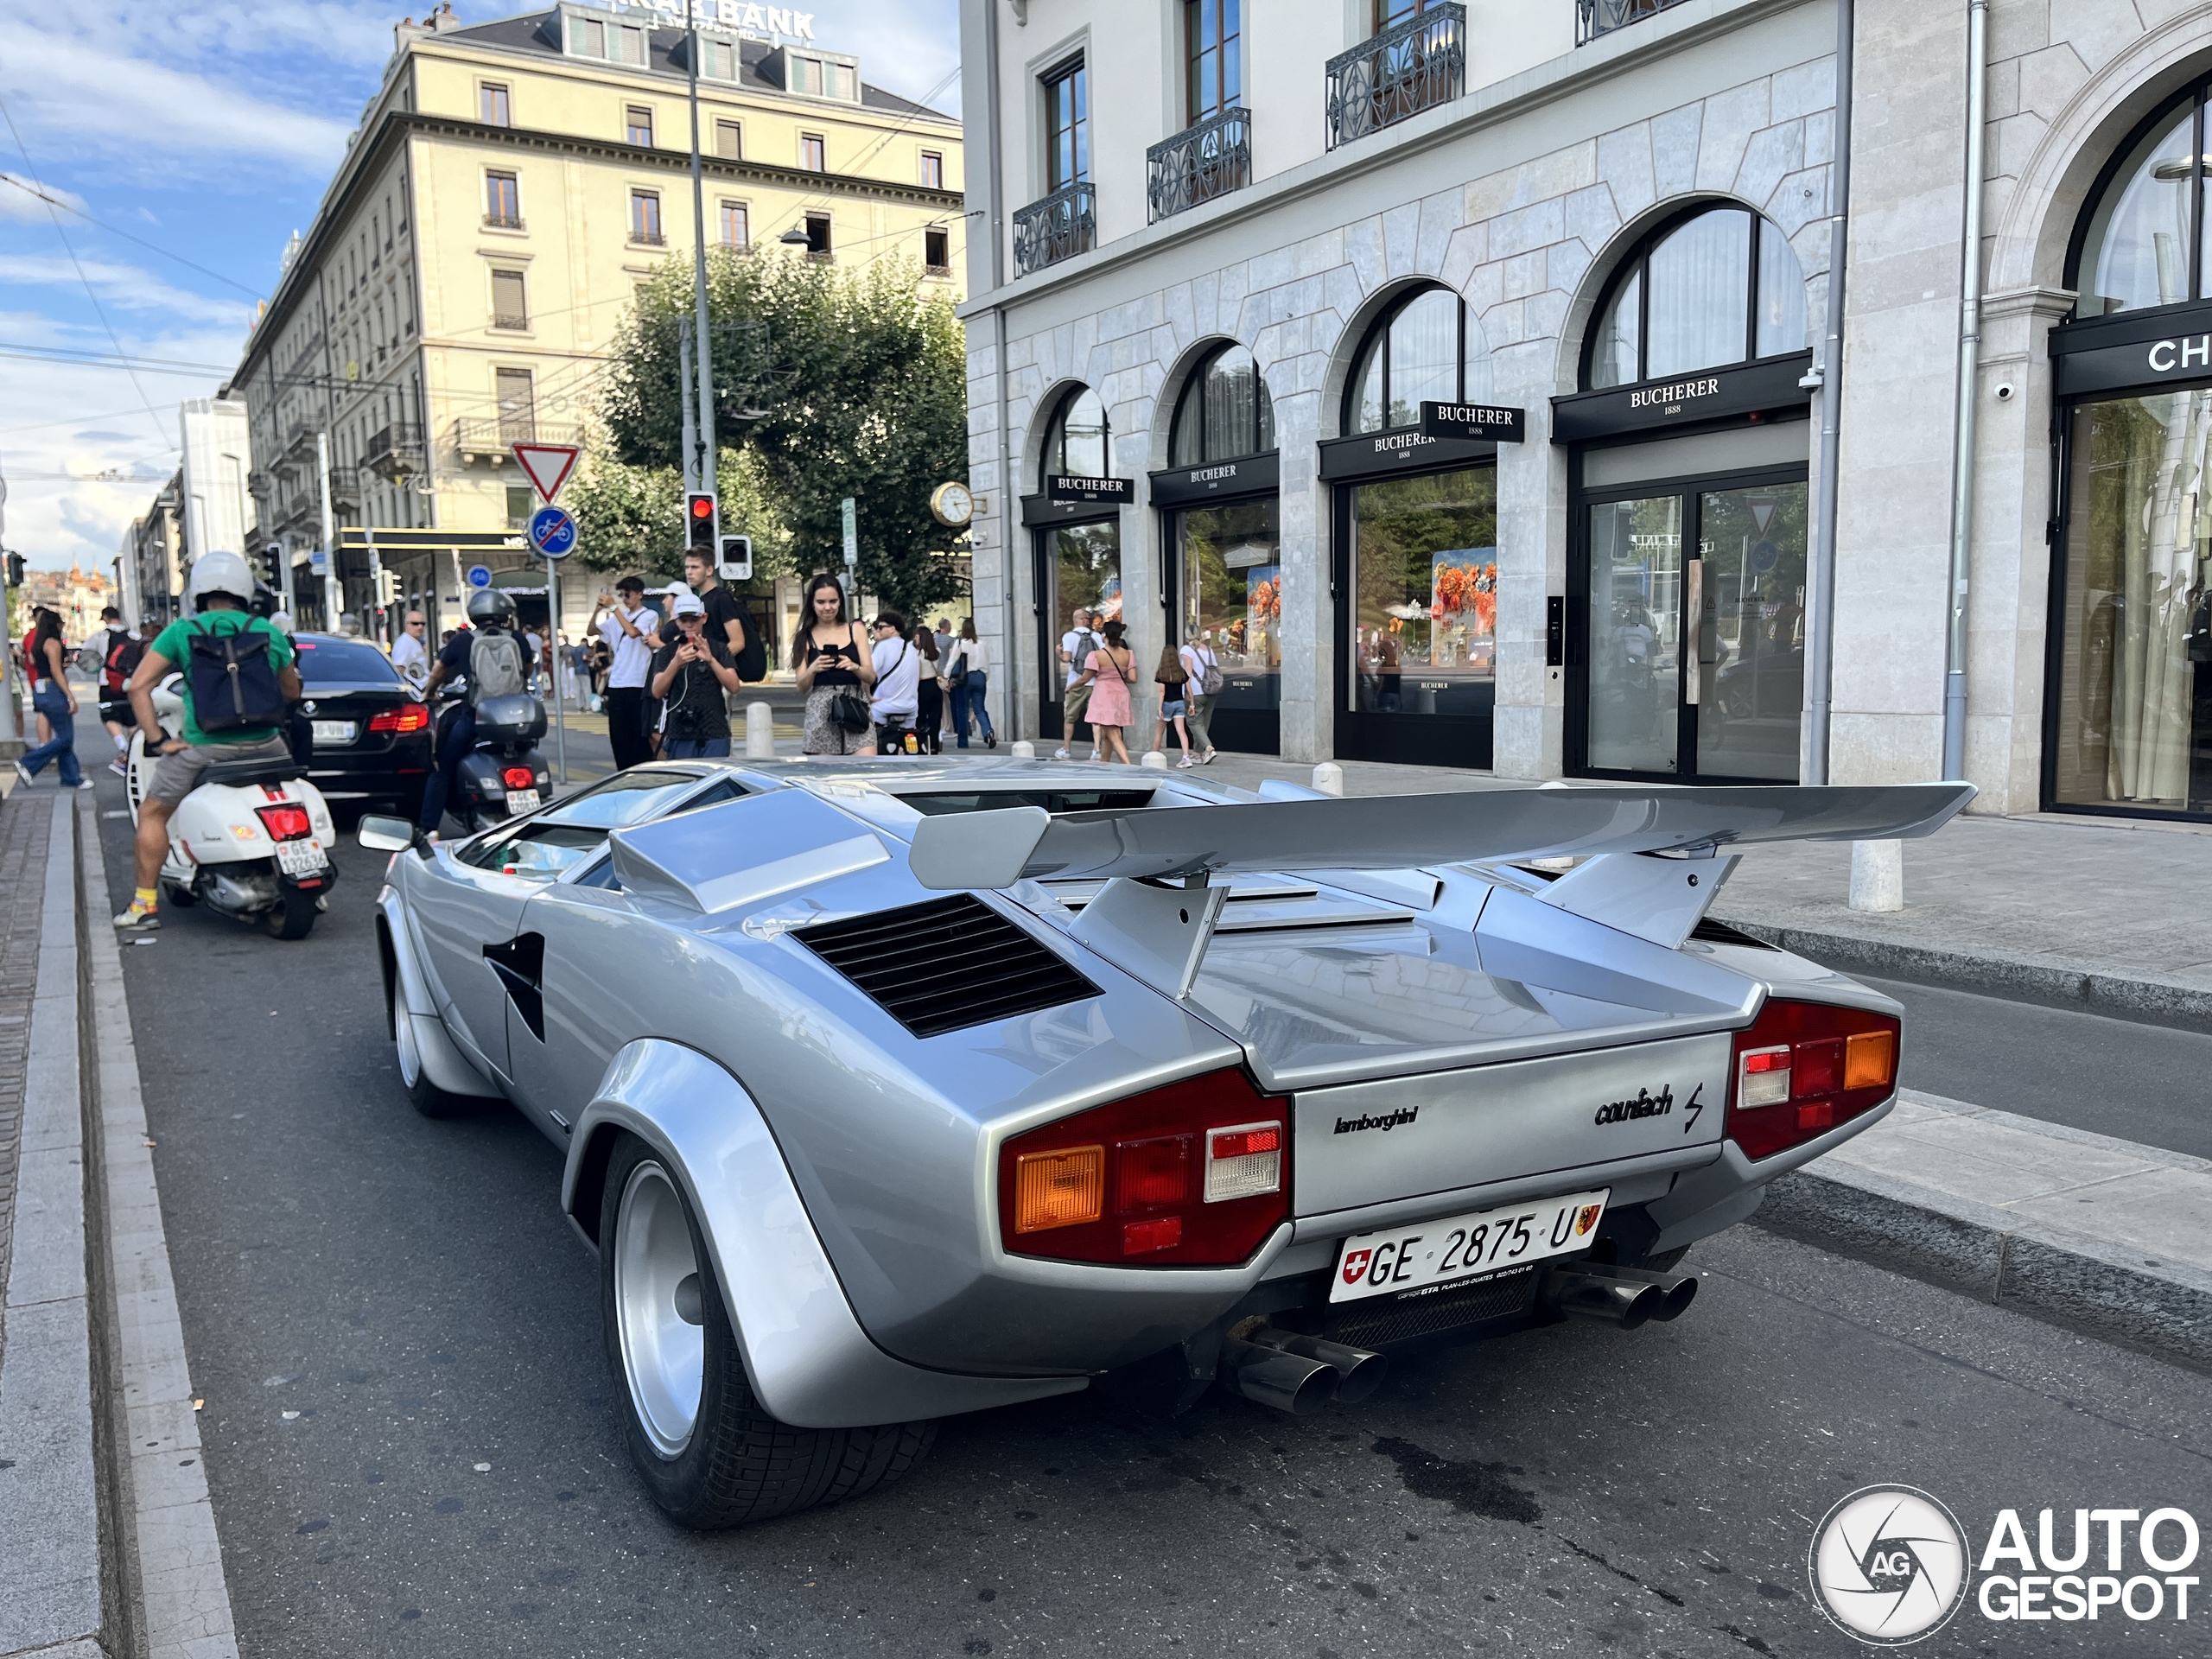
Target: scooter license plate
{"x":522,"y":800}
{"x":302,"y":857}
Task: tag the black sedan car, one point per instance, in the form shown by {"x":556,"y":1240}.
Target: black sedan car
{"x":362,"y":732}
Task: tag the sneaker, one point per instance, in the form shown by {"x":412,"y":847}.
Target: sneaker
{"x":1207,"y":760}
{"x":990,"y":740}
{"x":87,"y":782}
{"x":1185,"y":764}
{"x":135,"y":920}
{"x":119,"y":767}
{"x":24,"y":773}
{"x":1058,"y":754}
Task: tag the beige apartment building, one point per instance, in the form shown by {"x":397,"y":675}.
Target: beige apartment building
{"x":509,"y":189}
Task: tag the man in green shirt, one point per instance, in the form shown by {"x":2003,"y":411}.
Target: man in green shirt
{"x":219,"y":589}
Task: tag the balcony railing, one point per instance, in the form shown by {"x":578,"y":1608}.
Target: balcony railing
{"x":502,"y":222}
{"x":1057,"y":227}
{"x":1209,"y":160}
{"x":395,"y":451}
{"x":1595,"y":17}
{"x":648,"y":239}
{"x":1408,"y":68}
{"x":491,"y":437}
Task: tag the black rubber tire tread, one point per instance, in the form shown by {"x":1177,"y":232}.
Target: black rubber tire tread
{"x":431,"y":1101}
{"x":292,"y":918}
{"x":178,"y":898}
{"x":741,"y":1465}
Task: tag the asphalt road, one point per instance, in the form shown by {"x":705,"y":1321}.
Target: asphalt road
{"x":411,"y":1447}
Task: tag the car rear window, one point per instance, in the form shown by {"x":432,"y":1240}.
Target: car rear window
{"x":936,"y":803}
{"x":572,"y":830}
{"x":332,"y":661}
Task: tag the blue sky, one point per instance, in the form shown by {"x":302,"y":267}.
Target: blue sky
{"x":208,"y":131}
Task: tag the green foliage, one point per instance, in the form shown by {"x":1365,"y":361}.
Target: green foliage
{"x":630,"y":519}
{"x":831,"y":383}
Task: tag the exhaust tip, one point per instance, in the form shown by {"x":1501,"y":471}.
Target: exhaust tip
{"x":1359,"y":1372}
{"x":1674,"y":1298}
{"x":1287,"y":1381}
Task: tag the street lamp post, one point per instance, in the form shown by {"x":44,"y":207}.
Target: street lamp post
{"x":703,"y":468}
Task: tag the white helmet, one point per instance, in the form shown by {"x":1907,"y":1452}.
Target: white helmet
{"x":219,"y":573}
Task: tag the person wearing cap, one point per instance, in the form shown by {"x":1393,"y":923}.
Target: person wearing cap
{"x":624,"y":627}
{"x":690,"y":673}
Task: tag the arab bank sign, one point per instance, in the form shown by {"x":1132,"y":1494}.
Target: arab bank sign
{"x":759,"y":23}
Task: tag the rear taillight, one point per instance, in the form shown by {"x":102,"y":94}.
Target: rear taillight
{"x":285,"y":823}
{"x":517,"y":778}
{"x":1803,"y":1068}
{"x":1196,"y":1173}
{"x":407,"y":717}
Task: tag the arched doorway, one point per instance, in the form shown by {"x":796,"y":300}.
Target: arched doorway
{"x":1077,"y":547}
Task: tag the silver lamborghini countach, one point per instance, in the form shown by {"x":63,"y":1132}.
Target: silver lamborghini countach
{"x":890,"y":1089}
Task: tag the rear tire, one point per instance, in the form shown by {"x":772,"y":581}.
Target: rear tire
{"x":293,"y":915}
{"x":423,"y":1095}
{"x":181,"y":897}
{"x":708,"y":1454}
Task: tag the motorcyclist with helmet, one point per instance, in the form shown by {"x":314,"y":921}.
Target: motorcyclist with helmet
{"x":491,"y":629}
{"x":219,"y":591}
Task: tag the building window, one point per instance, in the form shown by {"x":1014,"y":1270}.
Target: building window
{"x":517,"y":397}
{"x":1067,"y":125}
{"x":644,"y":217}
{"x":932,"y":170}
{"x":509,"y":308}
{"x":817,"y":235}
{"x":1212,"y":57}
{"x":729,"y":141}
{"x":631,"y":48}
{"x":736,"y":231}
{"x":637,"y":125}
{"x":937,"y":251}
{"x":2141,"y":244}
{"x":491,"y":104}
{"x":518,"y":506}
{"x":1427,"y":347}
{"x":1388,"y":12}
{"x":502,"y":201}
{"x":813,"y":153}
{"x":1076,"y":444}
{"x":719,"y":62}
{"x":1225,"y":412}
{"x":587,"y":37}
{"x":1720,"y":288}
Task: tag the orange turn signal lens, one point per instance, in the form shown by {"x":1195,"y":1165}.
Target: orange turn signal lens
{"x":1870,"y":1059}
{"x":1058,"y":1189}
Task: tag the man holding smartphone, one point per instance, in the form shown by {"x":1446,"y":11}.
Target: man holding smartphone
{"x":689,"y":674}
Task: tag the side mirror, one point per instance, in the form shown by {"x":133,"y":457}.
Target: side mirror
{"x":388,"y":834}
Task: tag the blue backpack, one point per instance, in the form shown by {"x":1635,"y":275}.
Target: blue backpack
{"x":233,"y":682}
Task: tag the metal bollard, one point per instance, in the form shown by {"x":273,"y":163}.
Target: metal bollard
{"x":1023,"y":749}
{"x":759,"y":731}
{"x":1329,"y":777}
{"x":1154,"y":759}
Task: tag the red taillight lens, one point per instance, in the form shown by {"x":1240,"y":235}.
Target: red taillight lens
{"x":407,"y":717}
{"x":285,"y":823}
{"x":517,"y":778}
{"x":1196,"y":1173}
{"x":1803,"y":1068}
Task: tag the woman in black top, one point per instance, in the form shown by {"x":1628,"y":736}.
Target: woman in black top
{"x":929,"y":694}
{"x":829,"y":657}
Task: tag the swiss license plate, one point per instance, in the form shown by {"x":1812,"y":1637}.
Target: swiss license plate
{"x":300,"y":857}
{"x":1464,"y":1247}
{"x":335,"y":734}
{"x":522,"y":800}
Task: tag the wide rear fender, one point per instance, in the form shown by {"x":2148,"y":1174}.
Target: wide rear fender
{"x":408,"y":996}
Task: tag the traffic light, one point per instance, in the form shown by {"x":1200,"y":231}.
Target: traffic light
{"x":737,"y":559}
{"x":15,"y":570}
{"x":700,"y":525}
{"x":272,"y":572}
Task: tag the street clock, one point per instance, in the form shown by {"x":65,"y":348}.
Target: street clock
{"x":953,"y":505}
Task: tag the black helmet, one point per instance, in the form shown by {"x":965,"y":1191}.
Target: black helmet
{"x":489,"y":606}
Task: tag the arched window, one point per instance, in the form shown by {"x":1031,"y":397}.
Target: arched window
{"x":2138,"y":243}
{"x":1075,"y":444}
{"x":1427,"y":345}
{"x":1721,"y":287}
{"x":1225,"y":412}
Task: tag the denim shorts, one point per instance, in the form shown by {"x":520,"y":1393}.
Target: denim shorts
{"x":1174,"y":709}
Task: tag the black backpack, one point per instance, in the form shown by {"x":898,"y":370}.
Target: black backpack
{"x":752,"y":660}
{"x":232,"y":681}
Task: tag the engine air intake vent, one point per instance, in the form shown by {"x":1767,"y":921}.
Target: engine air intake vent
{"x":948,"y":963}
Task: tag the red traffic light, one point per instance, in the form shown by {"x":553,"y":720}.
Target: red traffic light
{"x":701,"y":506}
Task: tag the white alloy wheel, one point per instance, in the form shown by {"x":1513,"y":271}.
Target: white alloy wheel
{"x":656,"y":1309}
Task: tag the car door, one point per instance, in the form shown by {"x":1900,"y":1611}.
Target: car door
{"x":562,"y":1042}
{"x":463,"y":909}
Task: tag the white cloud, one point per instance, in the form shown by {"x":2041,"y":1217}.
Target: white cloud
{"x":19,"y":199}
{"x":126,"y":286}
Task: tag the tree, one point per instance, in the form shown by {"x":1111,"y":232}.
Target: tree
{"x":832,"y":383}
{"x":632,"y":517}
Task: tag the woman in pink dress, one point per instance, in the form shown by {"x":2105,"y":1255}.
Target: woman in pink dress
{"x":1110,"y":673}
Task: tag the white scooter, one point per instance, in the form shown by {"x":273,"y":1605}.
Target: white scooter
{"x":251,"y":841}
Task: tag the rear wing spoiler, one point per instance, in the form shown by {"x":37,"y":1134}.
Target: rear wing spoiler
{"x":1375,"y":832}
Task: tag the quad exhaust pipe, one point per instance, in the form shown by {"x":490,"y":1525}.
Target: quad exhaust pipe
{"x":1627,"y":1297}
{"x":1298,"y":1374}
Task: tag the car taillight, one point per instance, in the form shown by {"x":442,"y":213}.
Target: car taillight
{"x":407,"y":717}
{"x":1195,"y":1174}
{"x":1804,"y":1067}
{"x":517,"y":778}
{"x":286,"y":822}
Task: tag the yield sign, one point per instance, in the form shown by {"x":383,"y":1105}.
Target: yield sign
{"x":549,"y":466}
{"x":1762,"y":507}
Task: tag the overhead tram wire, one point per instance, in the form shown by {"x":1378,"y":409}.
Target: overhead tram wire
{"x":53,"y":201}
{"x":99,"y":310}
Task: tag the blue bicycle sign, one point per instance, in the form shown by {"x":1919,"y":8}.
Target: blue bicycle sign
{"x":553,"y":532}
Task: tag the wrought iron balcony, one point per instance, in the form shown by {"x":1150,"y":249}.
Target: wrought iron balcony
{"x":1595,"y":17}
{"x":1057,"y":227}
{"x":648,"y":239}
{"x":345,"y":485}
{"x":1209,"y":160}
{"x":1408,"y":68}
{"x":492,"y":437}
{"x":395,"y":451}
{"x":502,"y":221}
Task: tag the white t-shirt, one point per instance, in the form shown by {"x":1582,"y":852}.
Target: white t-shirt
{"x":412,"y":659}
{"x":897,"y":679}
{"x":1196,"y":659}
{"x":632,"y":657}
{"x":1078,"y":643}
